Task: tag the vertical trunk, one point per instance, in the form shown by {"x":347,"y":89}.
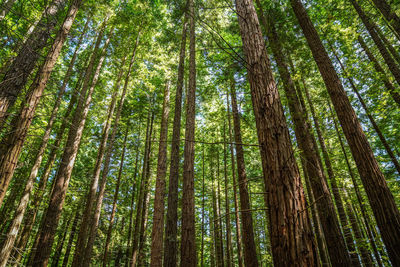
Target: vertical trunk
{"x":114,"y":206}
{"x":82,"y":236}
{"x":358,"y":194}
{"x":381,"y":199}
{"x":390,"y":62}
{"x":291,"y":238}
{"x":217,"y":237}
{"x":61,"y":181}
{"x":106,"y":165}
{"x":229,"y":253}
{"x":326,"y":210}
{"x":388,"y":84}
{"x":188,"y":241}
{"x":60,"y":244}
{"x":171,"y":228}
{"x":202,"y":211}
{"x":71,"y":237}
{"x":158,"y":215}
{"x":250,"y":255}
{"x":17,"y":74}
{"x":12,"y":146}
{"x":220,"y":227}
{"x":389,"y":14}
{"x":237,"y":220}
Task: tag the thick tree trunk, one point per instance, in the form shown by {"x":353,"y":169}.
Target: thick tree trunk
{"x":335,"y":242}
{"x":61,"y":181}
{"x":171,"y":227}
{"x":188,"y":241}
{"x":388,"y":84}
{"x":381,"y":199}
{"x":236,"y":203}
{"x":71,"y":237}
{"x":250,"y":255}
{"x":286,"y":198}
{"x":390,"y":62}
{"x":158,"y":214}
{"x":389,"y":14}
{"x":12,"y":146}
{"x":115,"y":199}
{"x":91,"y":195}
{"x":17,"y":74}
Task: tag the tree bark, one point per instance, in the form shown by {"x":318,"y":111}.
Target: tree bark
{"x":188,"y":240}
{"x":381,"y":199}
{"x":60,"y":244}
{"x":61,"y":181}
{"x":17,"y":74}
{"x":389,"y":14}
{"x":202,"y":210}
{"x":71,"y":237}
{"x":229,"y":250}
{"x":216,"y":219}
{"x":12,"y":146}
{"x":171,"y":227}
{"x":281,"y":175}
{"x":158,"y":214}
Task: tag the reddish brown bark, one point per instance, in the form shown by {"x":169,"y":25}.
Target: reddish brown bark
{"x":281,"y":175}
{"x":381,"y":199}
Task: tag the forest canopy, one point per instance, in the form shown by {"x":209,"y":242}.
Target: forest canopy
{"x":199,"y":133}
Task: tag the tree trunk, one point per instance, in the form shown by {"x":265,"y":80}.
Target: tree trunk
{"x":393,"y":67}
{"x":17,"y":74}
{"x":250,"y":255}
{"x":158,"y":214}
{"x":202,"y":210}
{"x":61,"y":181}
{"x":336,"y":245}
{"x":389,"y":14}
{"x":388,"y":45}
{"x":60,"y":244}
{"x":381,"y":199}
{"x":114,"y":206}
{"x":216,"y":220}
{"x":229,"y":250}
{"x":171,"y":228}
{"x":71,"y":237}
{"x":12,"y":146}
{"x":286,"y":199}
{"x":382,"y":75}
{"x":188,"y":240}
{"x":220,"y":233}
{"x":237,"y":220}
{"x":91,"y":195}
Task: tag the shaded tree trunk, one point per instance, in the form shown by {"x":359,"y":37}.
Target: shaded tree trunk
{"x":216,"y":221}
{"x":381,"y":199}
{"x":389,"y":14}
{"x":281,"y":175}
{"x":229,"y":248}
{"x":71,"y":237}
{"x":202,"y":210}
{"x":60,"y":244}
{"x":188,"y":240}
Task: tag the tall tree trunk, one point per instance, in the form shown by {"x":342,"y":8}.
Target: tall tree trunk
{"x":91,"y":195}
{"x":388,"y":84}
{"x":390,"y":62}
{"x":17,"y":74}
{"x":158,"y":214}
{"x":358,"y":193}
{"x":12,"y":146}
{"x":381,"y":199}
{"x":60,"y":243}
{"x":171,"y":227}
{"x":250,"y":255}
{"x":281,"y":175}
{"x":389,"y":14}
{"x":71,"y":237}
{"x":61,"y":181}
{"x":229,"y":252}
{"x":216,"y":221}
{"x":202,"y":210}
{"x":237,"y":220}
{"x":388,"y":45}
{"x":115,"y":199}
{"x":188,"y":240}
{"x":220,"y":233}
{"x":335,"y":242}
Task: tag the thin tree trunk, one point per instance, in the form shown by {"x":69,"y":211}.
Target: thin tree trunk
{"x":335,"y":242}
{"x":158,"y":214}
{"x":381,"y":199}
{"x":12,"y":146}
{"x":217,"y":238}
{"x":388,"y":45}
{"x":91,"y":195}
{"x":229,"y":252}
{"x":114,"y":206}
{"x":388,"y":84}
{"x":237,"y":220}
{"x":188,"y":240}
{"x":17,"y":74}
{"x":281,"y":175}
{"x":171,"y":227}
{"x":389,"y":14}
{"x":61,"y":181}
{"x":250,"y":255}
{"x":220,"y":233}
{"x":202,"y":210}
{"x":390,"y":62}
{"x":60,"y":244}
{"x":71,"y":237}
